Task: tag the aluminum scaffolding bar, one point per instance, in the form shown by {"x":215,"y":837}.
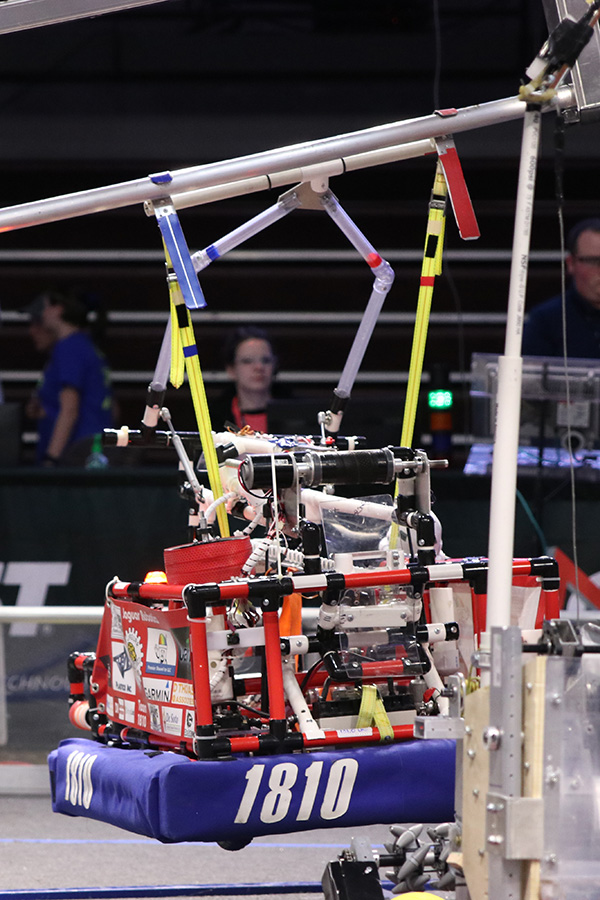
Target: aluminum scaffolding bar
{"x":18,"y":15}
{"x":154,"y":187}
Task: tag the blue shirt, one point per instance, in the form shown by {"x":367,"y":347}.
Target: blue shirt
{"x":542,"y":334}
{"x":75,"y":362}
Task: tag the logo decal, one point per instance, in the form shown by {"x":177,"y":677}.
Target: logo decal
{"x":123,"y":679}
{"x":154,"y":717}
{"x":183,"y":693}
{"x":158,"y":690}
{"x":162,"y":653}
{"x":172,"y":720}
{"x":189,"y":723}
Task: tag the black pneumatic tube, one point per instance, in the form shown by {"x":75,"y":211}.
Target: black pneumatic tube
{"x":313,"y":468}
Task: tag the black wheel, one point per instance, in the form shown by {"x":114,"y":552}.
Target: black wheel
{"x":234,"y":845}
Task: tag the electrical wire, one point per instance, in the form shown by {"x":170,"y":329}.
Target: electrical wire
{"x":559,"y":134}
{"x":259,"y":713}
{"x":536,"y":525}
{"x":309,"y":674}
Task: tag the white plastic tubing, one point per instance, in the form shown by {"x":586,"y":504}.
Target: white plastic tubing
{"x":510,"y":365}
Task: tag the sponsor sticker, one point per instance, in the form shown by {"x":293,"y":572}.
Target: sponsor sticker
{"x":134,"y":647}
{"x":172,"y":720}
{"x":183,"y":693}
{"x":161,"y":653}
{"x":123,"y":679}
{"x":116,"y":622}
{"x":189,"y":723}
{"x":154,"y":717}
{"x":157,"y":689}
{"x":353,"y":732}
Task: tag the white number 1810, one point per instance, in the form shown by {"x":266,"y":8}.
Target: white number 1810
{"x":283,"y":777}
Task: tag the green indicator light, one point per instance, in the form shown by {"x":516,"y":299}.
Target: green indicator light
{"x":440,"y":399}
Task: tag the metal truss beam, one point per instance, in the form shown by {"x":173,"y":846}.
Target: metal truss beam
{"x":156,"y":187}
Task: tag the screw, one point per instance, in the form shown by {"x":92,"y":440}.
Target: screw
{"x":94,"y":687}
{"x":491,"y":737}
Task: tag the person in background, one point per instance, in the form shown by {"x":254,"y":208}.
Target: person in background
{"x":543,"y":331}
{"x":73,"y":401}
{"x":251,"y":364}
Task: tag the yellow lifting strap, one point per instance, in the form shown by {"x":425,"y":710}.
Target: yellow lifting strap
{"x":372,"y":712}
{"x":431,"y":266}
{"x":177,"y":359}
{"x":184,"y":352}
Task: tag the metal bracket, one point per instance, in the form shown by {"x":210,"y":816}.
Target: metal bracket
{"x":514,"y":826}
{"x":304,"y":196}
{"x":439,"y":727}
{"x":177,"y":248}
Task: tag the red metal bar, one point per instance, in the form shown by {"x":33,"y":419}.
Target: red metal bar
{"x":171,"y":591}
{"x":374,"y":577}
{"x":401,"y":733}
{"x":479,"y":607}
{"x":274,"y":665}
{"x":251,"y":743}
{"x":200,"y":670}
{"x":548,"y":607}
{"x":240,"y":589}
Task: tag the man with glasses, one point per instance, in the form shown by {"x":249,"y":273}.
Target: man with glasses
{"x":543,"y":331}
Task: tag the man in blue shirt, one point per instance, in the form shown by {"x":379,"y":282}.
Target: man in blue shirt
{"x":543,"y":331}
{"x":74,"y":397}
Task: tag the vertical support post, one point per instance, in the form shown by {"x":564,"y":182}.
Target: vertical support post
{"x":274,"y":666}
{"x":504,"y":466}
{"x":503,"y":740}
{"x":200,"y":668}
{"x":205,"y":728}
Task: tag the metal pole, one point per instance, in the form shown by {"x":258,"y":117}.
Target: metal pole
{"x":18,"y":15}
{"x":506,"y":441}
{"x":155,"y":187}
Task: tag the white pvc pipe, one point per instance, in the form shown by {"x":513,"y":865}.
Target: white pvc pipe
{"x":506,"y":443}
{"x":297,"y":701}
{"x":328,"y":169}
{"x":52,"y":615}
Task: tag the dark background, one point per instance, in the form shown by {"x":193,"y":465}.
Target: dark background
{"x":177,"y":84}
